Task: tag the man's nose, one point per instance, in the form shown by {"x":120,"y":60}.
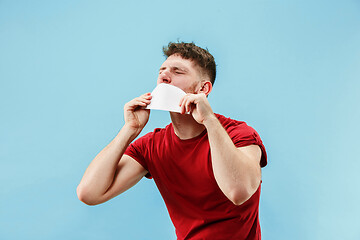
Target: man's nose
{"x":165,"y":77}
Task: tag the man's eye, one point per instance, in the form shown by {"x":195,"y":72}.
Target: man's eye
{"x":179,"y":72}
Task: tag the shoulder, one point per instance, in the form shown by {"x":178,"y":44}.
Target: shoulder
{"x":243,"y":135}
{"x":238,"y":130}
{"x":229,"y":123}
{"x":156,"y":133}
{"x":144,"y":143}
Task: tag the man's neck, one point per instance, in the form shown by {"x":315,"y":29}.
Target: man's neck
{"x":185,"y":126}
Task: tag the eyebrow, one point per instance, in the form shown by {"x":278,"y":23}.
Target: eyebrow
{"x":175,"y":68}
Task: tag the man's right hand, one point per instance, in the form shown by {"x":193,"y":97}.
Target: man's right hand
{"x":112,"y":172}
{"x":135,"y":115}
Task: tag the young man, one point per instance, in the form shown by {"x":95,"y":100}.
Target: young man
{"x":207,"y":167}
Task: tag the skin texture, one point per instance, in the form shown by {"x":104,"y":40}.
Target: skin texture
{"x":236,"y":170}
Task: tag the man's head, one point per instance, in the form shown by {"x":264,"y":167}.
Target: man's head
{"x":188,"y":67}
{"x":201,"y":57}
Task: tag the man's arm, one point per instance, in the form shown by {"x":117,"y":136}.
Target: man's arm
{"x":237,"y":171}
{"x":111,"y":172}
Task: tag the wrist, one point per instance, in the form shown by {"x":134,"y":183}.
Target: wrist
{"x":210,"y":121}
{"x":130,"y":132}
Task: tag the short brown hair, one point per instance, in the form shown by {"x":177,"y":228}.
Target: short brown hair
{"x":190,"y":51}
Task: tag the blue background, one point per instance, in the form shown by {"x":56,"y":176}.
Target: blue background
{"x":290,"y":69}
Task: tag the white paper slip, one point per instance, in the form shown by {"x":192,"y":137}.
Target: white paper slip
{"x":166,"y":97}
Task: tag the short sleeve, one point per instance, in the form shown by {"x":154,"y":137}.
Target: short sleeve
{"x":138,"y":150}
{"x":243,"y":135}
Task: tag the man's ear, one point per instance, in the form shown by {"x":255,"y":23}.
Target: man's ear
{"x":206,"y":87}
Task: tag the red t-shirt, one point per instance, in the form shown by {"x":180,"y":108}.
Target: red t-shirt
{"x":182,"y":171}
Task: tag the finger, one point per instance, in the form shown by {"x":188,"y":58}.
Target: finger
{"x":147,"y":95}
{"x":142,"y":103}
{"x":183,"y":104}
{"x":188,"y":102}
{"x":144,"y":100}
{"x":182,"y":100}
{"x":137,"y":103}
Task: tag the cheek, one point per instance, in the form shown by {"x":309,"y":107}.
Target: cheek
{"x":188,"y":88}
{"x":181,"y":83}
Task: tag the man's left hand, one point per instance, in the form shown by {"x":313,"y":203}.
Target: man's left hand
{"x":198,"y":106}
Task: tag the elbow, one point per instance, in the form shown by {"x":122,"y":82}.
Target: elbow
{"x":238,"y":198}
{"x":241,"y":195}
{"x":85,"y":197}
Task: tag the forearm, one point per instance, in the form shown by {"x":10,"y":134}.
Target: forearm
{"x":236,"y":174}
{"x":100,"y":173}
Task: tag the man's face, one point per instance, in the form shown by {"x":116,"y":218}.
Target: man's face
{"x":181,"y":73}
